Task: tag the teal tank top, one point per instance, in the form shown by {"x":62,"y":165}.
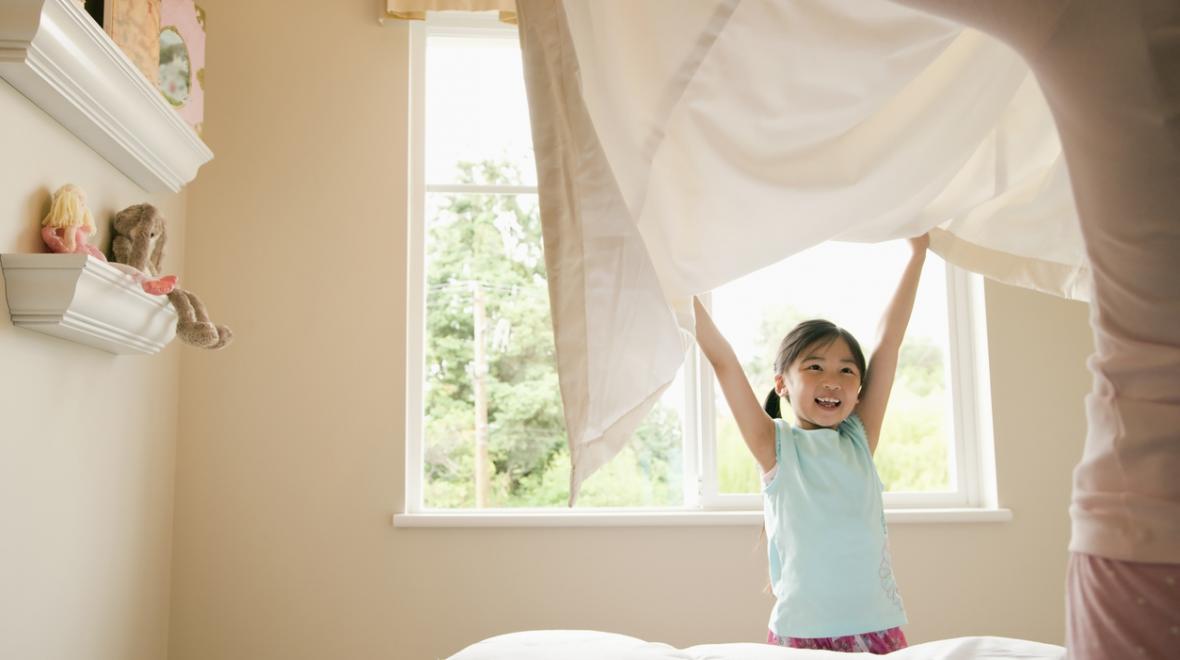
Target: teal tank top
{"x":828,"y":544}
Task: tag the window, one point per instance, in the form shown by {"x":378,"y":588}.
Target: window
{"x":484,"y":423}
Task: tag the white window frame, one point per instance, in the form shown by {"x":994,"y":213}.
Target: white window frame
{"x":972,"y":453}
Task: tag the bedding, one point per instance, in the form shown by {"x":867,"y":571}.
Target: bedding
{"x":682,"y":145}
{"x":595,"y":645}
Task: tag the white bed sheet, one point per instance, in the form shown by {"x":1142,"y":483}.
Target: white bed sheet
{"x":595,"y":645}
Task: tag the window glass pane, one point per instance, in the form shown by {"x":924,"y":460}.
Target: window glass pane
{"x":491,"y":393}
{"x":849,"y":284}
{"x":476,"y":109}
{"x":649,"y":471}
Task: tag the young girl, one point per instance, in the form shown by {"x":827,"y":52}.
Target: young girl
{"x":825,"y":521}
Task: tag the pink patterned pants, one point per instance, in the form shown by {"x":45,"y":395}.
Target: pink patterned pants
{"x":877,"y":643}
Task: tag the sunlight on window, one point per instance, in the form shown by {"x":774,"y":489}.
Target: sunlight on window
{"x":492,"y":432}
{"x":476,"y":108}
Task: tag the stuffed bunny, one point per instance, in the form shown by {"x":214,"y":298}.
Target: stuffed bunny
{"x":139,"y":237}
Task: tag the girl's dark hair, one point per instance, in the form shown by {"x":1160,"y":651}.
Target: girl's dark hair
{"x":805,"y":335}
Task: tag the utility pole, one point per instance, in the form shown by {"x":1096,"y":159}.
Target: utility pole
{"x":479,"y":388}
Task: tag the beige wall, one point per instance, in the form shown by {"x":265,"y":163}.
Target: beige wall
{"x":291,"y":453}
{"x":87,"y":438}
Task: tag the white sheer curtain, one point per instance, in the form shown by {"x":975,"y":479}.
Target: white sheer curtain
{"x":681,"y":145}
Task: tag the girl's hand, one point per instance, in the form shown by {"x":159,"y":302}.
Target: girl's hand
{"x":920,"y":243}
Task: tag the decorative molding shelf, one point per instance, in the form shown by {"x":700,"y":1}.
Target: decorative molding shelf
{"x":84,"y":300}
{"x":55,"y":54}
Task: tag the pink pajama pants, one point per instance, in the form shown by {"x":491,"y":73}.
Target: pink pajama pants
{"x":1122,"y":609}
{"x":881,"y":642}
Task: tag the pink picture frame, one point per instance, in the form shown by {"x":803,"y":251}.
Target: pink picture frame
{"x":182,"y":59}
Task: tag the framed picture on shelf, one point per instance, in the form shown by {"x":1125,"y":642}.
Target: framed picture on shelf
{"x":134,"y":26}
{"x":182,"y":58}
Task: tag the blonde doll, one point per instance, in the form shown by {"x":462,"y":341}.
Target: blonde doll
{"x":68,"y":225}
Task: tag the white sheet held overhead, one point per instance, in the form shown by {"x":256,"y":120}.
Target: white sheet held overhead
{"x":681,"y":145}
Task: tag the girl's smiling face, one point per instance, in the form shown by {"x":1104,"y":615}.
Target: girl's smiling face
{"x":822,"y":384}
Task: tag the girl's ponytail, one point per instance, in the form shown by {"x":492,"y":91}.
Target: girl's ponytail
{"x":772,"y":405}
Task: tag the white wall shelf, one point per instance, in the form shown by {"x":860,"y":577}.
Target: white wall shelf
{"x":85,"y":300}
{"x":55,"y":54}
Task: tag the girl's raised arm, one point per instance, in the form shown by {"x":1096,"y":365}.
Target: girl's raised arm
{"x":756,"y":427}
{"x":878,"y":382}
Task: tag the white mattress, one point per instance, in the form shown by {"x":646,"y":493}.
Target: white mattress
{"x":594,"y":645}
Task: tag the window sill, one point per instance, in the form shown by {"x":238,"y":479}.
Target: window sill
{"x":666,"y":518}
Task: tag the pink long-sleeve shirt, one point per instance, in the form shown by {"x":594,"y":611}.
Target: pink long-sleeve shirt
{"x":1110,"y":71}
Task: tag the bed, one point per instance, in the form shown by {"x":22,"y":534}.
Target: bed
{"x":595,"y":645}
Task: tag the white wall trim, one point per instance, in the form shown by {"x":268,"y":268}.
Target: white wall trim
{"x":87,"y":301}
{"x":55,"y":54}
{"x":416,"y":269}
